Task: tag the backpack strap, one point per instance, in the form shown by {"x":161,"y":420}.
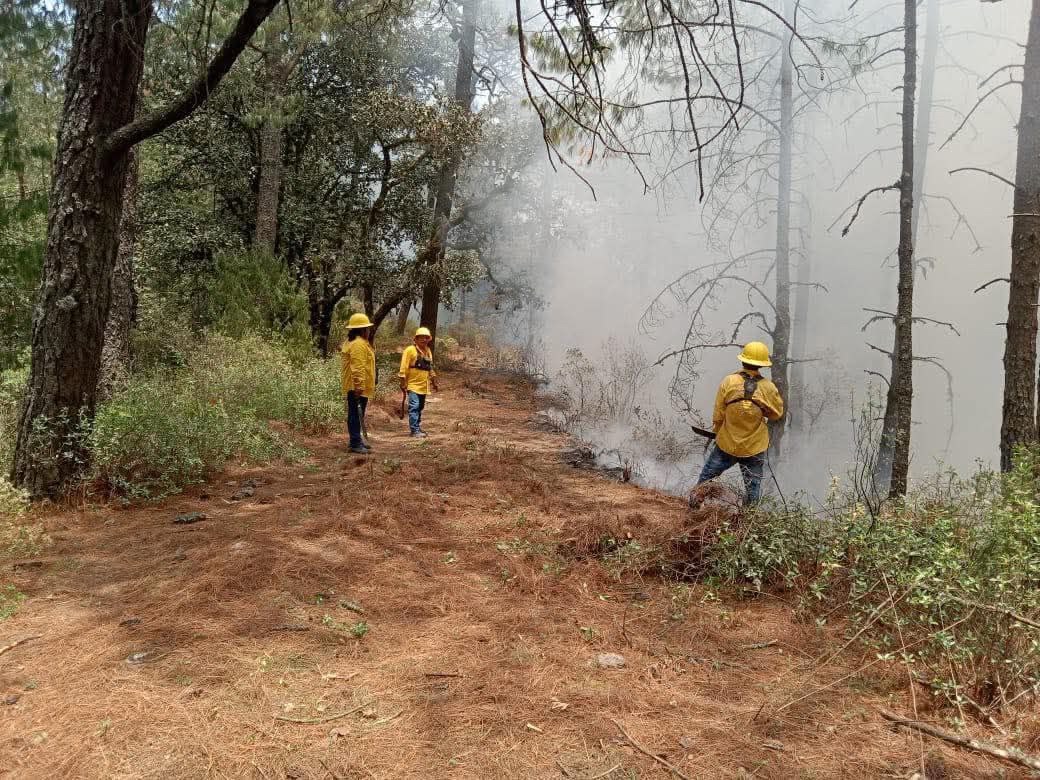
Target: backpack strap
{"x":750,"y":386}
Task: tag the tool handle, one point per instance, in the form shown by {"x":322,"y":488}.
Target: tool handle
{"x":703,"y":432}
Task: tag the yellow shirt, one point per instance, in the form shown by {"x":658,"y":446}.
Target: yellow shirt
{"x":418,"y":380}
{"x":358,"y":367}
{"x":741,"y":425}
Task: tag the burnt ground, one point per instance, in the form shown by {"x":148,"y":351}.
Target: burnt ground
{"x":416,"y":609}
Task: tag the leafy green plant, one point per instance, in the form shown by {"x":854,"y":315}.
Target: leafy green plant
{"x":945,"y":583}
{"x":10,"y":599}
{"x":173,"y":427}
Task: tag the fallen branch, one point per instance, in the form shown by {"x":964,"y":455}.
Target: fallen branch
{"x":647,"y":753}
{"x":324,"y":719}
{"x":17,"y":642}
{"x":1012,"y":755}
{"x":761,"y":645}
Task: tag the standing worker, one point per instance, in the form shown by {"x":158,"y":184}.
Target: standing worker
{"x":358,"y":377}
{"x":743,"y":404}
{"x":417,"y":377}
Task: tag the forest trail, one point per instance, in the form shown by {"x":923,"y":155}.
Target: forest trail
{"x":186,"y":650}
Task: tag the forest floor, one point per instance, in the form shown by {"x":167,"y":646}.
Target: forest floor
{"x":415,"y":611}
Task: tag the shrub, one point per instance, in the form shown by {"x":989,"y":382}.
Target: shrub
{"x":172,"y":428}
{"x":946,"y":583}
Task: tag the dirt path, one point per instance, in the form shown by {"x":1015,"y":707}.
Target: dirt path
{"x":181,"y":651}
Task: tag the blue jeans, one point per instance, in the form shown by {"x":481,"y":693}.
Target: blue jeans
{"x":416,"y":403}
{"x":356,"y":406}
{"x":751,"y":468}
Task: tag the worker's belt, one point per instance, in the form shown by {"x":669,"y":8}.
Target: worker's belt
{"x":422,"y":364}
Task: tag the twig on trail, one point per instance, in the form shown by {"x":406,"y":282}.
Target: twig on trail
{"x":17,"y":642}
{"x":324,"y":719}
{"x":670,"y":767}
{"x":601,"y":775}
{"x":389,"y":718}
{"x":1012,"y":755}
{"x":761,"y":645}
{"x":442,"y":674}
{"x":563,"y":770}
{"x":263,"y":774}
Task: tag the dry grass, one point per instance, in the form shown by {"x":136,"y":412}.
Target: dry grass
{"x":478,"y":661}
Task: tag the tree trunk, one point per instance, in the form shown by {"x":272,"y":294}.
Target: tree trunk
{"x":96,"y":131}
{"x":85,"y":208}
{"x":782,"y":302}
{"x":122,"y":312}
{"x":402,"y":318}
{"x":800,"y":329}
{"x":895,"y":436}
{"x":270,"y":185}
{"x":322,"y":311}
{"x":431,"y":296}
{"x":1019,"y":424}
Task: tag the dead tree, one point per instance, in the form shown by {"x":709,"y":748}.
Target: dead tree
{"x":96,"y":132}
{"x":895,"y":432}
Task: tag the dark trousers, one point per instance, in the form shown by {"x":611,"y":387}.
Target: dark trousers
{"x":356,"y":406}
{"x":751,"y":468}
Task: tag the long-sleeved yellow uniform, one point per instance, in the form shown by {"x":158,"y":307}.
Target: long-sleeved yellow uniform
{"x":358,"y":367}
{"x":740,"y":425}
{"x":418,"y":380}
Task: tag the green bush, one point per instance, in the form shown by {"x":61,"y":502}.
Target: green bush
{"x":947,"y":583}
{"x":172,"y":428}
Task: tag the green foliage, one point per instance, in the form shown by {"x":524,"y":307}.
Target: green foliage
{"x":251,"y":293}
{"x":10,"y":599}
{"x":30,"y":40}
{"x":172,"y":428}
{"x":945,"y":584}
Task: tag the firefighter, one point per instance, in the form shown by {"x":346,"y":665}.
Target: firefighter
{"x":417,"y":378}
{"x":358,"y":378}
{"x":744,"y":403}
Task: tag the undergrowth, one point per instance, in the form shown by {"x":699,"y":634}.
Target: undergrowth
{"x":945,"y":584}
{"x":173,"y":425}
{"x":171,"y":428}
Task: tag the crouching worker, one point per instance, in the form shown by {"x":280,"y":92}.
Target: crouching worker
{"x":743,"y":405}
{"x":358,"y":377}
{"x":417,"y":377}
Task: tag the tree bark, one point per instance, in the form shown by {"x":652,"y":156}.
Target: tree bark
{"x":96,"y":130}
{"x":103,"y":76}
{"x":464,"y":89}
{"x":1019,"y":423}
{"x":402,"y":317}
{"x":270,"y":186}
{"x":782,"y":302}
{"x":898,"y":407}
{"x":122,"y":312}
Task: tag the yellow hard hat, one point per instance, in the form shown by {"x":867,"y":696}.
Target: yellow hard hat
{"x":755,"y":354}
{"x":423,"y":332}
{"x":358,"y":320}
